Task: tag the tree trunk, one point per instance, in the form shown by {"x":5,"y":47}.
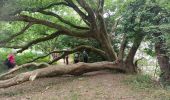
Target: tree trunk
{"x":107,"y":47}
{"x":122,"y":48}
{"x":72,"y":69}
{"x":130,"y":57}
{"x":163,"y":60}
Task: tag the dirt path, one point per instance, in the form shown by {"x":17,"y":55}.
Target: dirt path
{"x":100,"y":85}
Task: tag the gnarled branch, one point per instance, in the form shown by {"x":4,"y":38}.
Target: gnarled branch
{"x":18,"y":68}
{"x":66,"y":31}
{"x":63,"y":20}
{"x":39,"y":8}
{"x":53,"y":35}
{"x":73,"y":69}
{"x":91,"y":15}
{"x":82,"y":14}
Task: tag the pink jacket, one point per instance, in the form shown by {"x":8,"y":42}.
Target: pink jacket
{"x":11,"y":58}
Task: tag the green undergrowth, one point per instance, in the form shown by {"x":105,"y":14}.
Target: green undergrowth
{"x":20,"y":59}
{"x":140,"y":81}
{"x":146,"y":84}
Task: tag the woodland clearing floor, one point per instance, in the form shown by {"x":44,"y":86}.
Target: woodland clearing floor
{"x":101,"y":85}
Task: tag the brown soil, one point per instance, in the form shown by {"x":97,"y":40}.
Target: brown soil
{"x":101,"y":85}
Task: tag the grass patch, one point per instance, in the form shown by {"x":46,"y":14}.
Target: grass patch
{"x":161,"y":94}
{"x":11,"y":94}
{"x":74,"y":96}
{"x":146,"y":84}
{"x":140,"y":81}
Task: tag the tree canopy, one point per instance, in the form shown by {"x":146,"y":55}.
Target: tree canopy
{"x":113,"y":29}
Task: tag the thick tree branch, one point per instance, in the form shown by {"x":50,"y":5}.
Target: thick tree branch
{"x":51,"y":5}
{"x":17,"y":34}
{"x":63,"y":20}
{"x":53,"y":35}
{"x":86,"y":7}
{"x":62,"y":30}
{"x":82,"y":14}
{"x":26,"y":18}
{"x":18,"y":68}
{"x":39,"y":8}
{"x":102,"y":23}
{"x":122,"y":48}
{"x":30,"y":19}
{"x":81,"y":34}
{"x":66,"y":31}
{"x":10,"y":46}
{"x":101,"y":5}
{"x":91,"y":14}
{"x":73,"y":69}
{"x":136,"y":43}
{"x":70,"y":4}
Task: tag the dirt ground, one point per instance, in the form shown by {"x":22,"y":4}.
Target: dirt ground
{"x":101,"y":85}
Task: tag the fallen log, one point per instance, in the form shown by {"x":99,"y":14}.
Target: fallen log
{"x":55,"y":70}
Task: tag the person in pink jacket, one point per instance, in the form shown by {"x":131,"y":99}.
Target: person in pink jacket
{"x":10,"y":62}
{"x":11,"y":58}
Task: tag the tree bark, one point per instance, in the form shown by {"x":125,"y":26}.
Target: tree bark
{"x":72,"y":69}
{"x":130,"y":57}
{"x":105,"y":40}
{"x":18,"y":68}
{"x":163,"y":60}
{"x":122,"y":48}
{"x":107,"y":47}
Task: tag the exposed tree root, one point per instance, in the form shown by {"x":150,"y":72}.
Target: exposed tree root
{"x":73,"y":69}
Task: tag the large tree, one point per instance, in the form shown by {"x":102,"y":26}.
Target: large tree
{"x":92,"y":24}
